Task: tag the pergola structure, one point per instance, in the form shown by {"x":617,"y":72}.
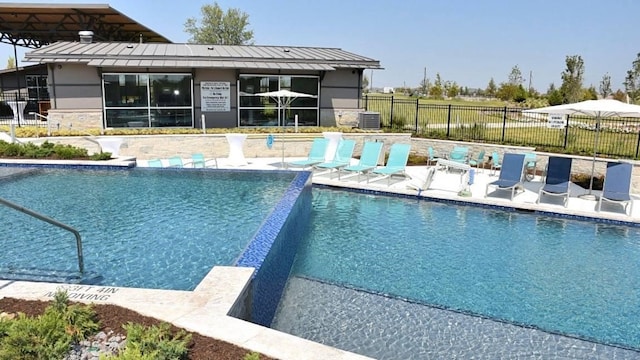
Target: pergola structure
{"x":36,"y":25}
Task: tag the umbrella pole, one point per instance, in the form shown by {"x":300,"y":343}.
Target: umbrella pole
{"x":589,"y":195}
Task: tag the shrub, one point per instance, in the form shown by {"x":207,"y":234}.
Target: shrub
{"x":155,"y":342}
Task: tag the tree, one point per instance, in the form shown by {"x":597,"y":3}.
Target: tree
{"x":590,"y":93}
{"x":619,"y":95}
{"x":632,"y":80}
{"x":11,"y":62}
{"x":491,"y":88}
{"x":571,"y":88}
{"x":554,"y":97}
{"x":218,"y":27}
{"x":437,"y":90}
{"x":605,"y":86}
{"x":365,"y":84}
{"x":425,"y":85}
{"x":515,"y":77}
{"x":451,"y":89}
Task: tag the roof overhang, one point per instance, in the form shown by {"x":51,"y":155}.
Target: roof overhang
{"x":36,"y":25}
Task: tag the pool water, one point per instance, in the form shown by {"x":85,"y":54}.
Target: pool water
{"x":144,"y":228}
{"x":562,"y":276}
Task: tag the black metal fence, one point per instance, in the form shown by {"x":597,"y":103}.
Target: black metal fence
{"x":618,"y":137}
{"x":26,"y":108}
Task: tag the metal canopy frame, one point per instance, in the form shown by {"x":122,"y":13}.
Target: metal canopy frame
{"x":37,"y":25}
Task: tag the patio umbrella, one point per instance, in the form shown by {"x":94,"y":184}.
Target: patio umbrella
{"x":284,"y":98}
{"x":599,"y":109}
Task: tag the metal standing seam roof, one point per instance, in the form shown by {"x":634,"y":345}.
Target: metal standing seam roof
{"x":196,"y":55}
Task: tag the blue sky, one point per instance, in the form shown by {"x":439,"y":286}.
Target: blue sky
{"x":468,"y":42}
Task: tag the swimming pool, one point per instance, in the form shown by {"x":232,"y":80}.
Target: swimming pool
{"x":142,"y":228}
{"x":563,"y":276}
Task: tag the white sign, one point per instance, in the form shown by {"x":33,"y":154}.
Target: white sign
{"x":215,"y":96}
{"x":556,"y":121}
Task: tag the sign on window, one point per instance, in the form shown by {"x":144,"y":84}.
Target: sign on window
{"x":215,"y":96}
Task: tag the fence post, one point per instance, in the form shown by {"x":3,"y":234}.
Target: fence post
{"x":638,"y":144}
{"x":448,"y":120}
{"x":566,"y":133}
{"x":391,"y":114}
{"x":417,"y":109}
{"x":366,"y":102}
{"x":504,"y":123}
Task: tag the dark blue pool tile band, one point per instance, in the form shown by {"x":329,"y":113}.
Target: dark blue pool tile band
{"x":274,"y":246}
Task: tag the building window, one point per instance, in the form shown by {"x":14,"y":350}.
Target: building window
{"x":148,"y":100}
{"x":256,"y":110}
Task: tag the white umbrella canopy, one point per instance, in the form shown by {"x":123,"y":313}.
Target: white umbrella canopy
{"x":284,"y":97}
{"x":606,"y":108}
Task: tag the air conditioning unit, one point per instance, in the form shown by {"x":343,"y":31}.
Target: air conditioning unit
{"x":369,"y":120}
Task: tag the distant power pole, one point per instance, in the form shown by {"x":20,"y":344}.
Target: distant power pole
{"x":371,"y":81}
{"x":530,"y":77}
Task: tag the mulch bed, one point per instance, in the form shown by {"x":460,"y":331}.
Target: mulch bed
{"x":112,"y":317}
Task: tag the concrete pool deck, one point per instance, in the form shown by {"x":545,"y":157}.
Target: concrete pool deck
{"x":205,"y":310}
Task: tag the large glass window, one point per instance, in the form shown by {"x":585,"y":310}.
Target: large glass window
{"x":260,"y":110}
{"x":148,"y":100}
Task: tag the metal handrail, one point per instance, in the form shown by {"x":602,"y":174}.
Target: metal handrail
{"x":52,"y":222}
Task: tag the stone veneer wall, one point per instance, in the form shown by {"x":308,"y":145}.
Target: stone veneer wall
{"x":298,"y":145}
{"x":75,"y":119}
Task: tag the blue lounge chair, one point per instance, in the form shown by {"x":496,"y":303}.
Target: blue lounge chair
{"x":432,"y":156}
{"x":176,"y":162}
{"x":460,"y":154}
{"x":495,"y":162}
{"x":511,"y":174}
{"x":368,"y":159}
{"x":558,"y":179}
{"x":316,"y":154}
{"x":157,"y":163}
{"x":479,"y":161}
{"x":342,"y":158}
{"x":396,"y":163}
{"x":617,"y":185}
{"x":198,"y":161}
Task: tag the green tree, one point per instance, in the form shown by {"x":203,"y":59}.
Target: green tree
{"x":437,"y":90}
{"x":620,"y":95}
{"x":571,"y":88}
{"x":515,"y":77}
{"x":590,"y":93}
{"x":632,"y":80}
{"x":425,"y":85}
{"x":219,"y":27}
{"x":554,"y":97}
{"x":605,"y":86}
{"x":11,"y":62}
{"x":451,"y":89}
{"x":491,"y":89}
{"x":365,"y":84}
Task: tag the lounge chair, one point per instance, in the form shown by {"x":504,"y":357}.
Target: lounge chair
{"x":316,"y":154}
{"x":510,"y":175}
{"x":460,"y":154}
{"x":198,"y":161}
{"x":368,"y":159}
{"x":617,"y":186}
{"x":557,"y":182}
{"x":432,"y":156}
{"x":420,"y":184}
{"x":157,"y":163}
{"x":396,"y":163}
{"x":495,"y":162}
{"x":342,"y":158}
{"x":176,"y":162}
{"x":479,"y":161}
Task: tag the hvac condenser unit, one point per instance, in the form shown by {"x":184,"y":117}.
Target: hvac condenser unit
{"x":369,"y":120}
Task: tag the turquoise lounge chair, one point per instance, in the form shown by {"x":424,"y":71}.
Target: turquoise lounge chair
{"x":432,"y":156}
{"x":176,"y":162}
{"x":511,"y":174}
{"x":368,"y":159}
{"x":460,"y":154}
{"x":396,"y":164}
{"x":316,"y":154}
{"x":342,"y":158}
{"x":198,"y":161}
{"x":157,"y":163}
{"x":495,"y":162}
{"x":617,"y":186}
{"x":479,"y":161}
{"x":558,"y":179}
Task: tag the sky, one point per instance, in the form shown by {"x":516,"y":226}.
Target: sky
{"x":467,"y":42}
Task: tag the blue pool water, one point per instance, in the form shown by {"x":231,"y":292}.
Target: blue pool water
{"x":563,"y":276}
{"x":143,"y":228}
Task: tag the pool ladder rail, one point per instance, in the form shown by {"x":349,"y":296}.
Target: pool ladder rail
{"x":52,"y":222}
